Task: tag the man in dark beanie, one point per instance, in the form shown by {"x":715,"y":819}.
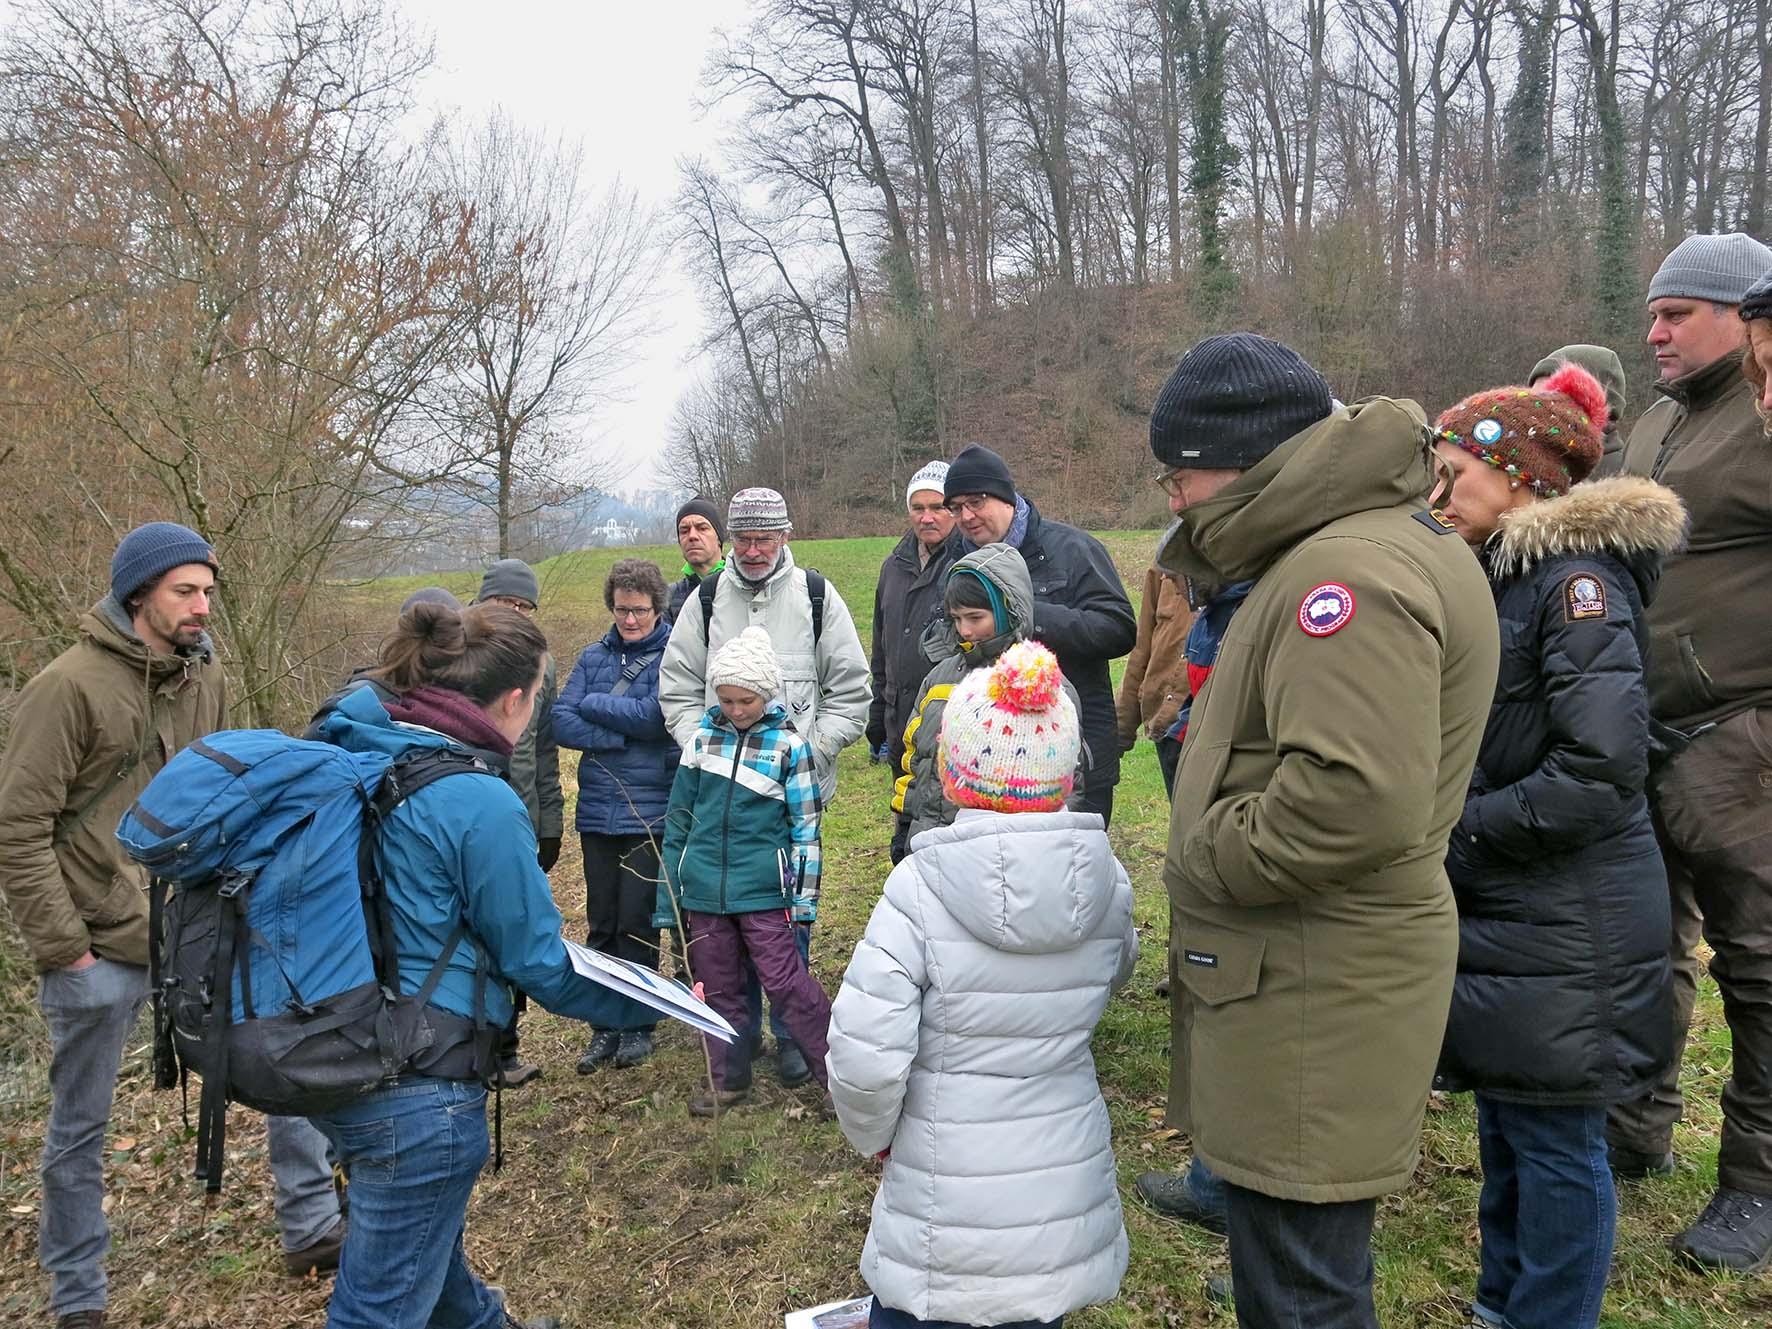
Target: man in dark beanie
{"x":89,"y":732}
{"x":1710,"y":691}
{"x":534,"y":770}
{"x":701,"y":535}
{"x":1080,"y":607}
{"x":1315,"y":937}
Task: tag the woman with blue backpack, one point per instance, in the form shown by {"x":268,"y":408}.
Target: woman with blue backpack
{"x":609,"y":711}
{"x":458,"y":864}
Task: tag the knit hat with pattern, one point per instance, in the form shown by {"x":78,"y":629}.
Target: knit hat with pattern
{"x":1232,"y":400}
{"x":1757,"y":303}
{"x":748,"y":662}
{"x":1010,"y":736}
{"x":757,"y":510}
{"x":1549,"y":437}
{"x":932,"y":475}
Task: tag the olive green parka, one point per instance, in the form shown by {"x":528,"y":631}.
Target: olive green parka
{"x":1314,"y":933}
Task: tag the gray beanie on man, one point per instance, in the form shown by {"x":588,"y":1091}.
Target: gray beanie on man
{"x":1711,"y":267}
{"x":510,"y":577}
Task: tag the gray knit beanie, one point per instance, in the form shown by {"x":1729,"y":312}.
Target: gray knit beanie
{"x":431,"y":595}
{"x":510,"y":577}
{"x":1711,"y":267}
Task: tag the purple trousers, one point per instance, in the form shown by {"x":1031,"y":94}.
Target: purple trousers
{"x":718,"y":945}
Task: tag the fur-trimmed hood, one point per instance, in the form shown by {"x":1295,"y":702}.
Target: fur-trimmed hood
{"x":1635,"y":520}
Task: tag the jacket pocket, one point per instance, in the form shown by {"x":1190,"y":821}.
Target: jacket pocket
{"x":1197,"y":782}
{"x":1694,"y":679}
{"x":126,"y":898}
{"x":1217,"y":964}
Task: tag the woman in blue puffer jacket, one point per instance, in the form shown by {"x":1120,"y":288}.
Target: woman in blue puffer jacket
{"x":460,"y":872}
{"x":609,"y":711}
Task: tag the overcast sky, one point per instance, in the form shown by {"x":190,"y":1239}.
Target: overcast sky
{"x":622,"y":77}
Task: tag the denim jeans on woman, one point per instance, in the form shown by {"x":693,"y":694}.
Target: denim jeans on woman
{"x":413,"y":1152}
{"x":1547,"y":1215}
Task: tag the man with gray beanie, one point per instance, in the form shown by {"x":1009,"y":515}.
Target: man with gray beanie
{"x":1710,"y":696}
{"x":824,"y":672}
{"x":89,"y":732}
{"x":907,"y":597}
{"x":534,"y":772}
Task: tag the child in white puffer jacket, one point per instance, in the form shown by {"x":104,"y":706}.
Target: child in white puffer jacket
{"x":960,"y":1040}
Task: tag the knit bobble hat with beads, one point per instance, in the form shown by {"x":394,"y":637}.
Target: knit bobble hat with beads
{"x":1009,"y":735}
{"x":1548,"y":437}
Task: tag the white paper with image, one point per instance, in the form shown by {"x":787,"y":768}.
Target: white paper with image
{"x":650,"y":988}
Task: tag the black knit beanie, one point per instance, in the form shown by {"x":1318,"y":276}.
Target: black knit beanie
{"x":1232,"y":400}
{"x":701,"y":507}
{"x":1757,"y":303}
{"x":978,"y":470}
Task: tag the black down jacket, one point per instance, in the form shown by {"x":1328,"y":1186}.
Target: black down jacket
{"x":1562,"y":995}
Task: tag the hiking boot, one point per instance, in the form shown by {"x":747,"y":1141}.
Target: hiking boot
{"x":827,"y":1107}
{"x":706,"y":1102}
{"x":1219,"y":1291}
{"x":601,"y":1048}
{"x":790,"y":1064}
{"x":1632,"y":1165}
{"x":1162,"y":987}
{"x":81,"y":1320}
{"x":1733,"y":1232}
{"x":634,"y":1048}
{"x":514,"y":1074}
{"x":320,"y":1258}
{"x":1168,"y":1193}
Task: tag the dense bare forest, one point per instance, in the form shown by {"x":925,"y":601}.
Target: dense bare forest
{"x":945,"y":220}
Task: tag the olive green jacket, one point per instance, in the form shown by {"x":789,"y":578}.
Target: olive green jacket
{"x":1326,"y":762}
{"x":89,"y":733}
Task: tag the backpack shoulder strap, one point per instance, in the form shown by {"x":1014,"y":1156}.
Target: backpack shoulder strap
{"x":815,"y":593}
{"x":705,"y":591}
{"x":633,"y":671}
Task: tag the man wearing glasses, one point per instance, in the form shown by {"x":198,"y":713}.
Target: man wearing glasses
{"x":824,"y":672}
{"x":1080,"y":607}
{"x":534,"y":770}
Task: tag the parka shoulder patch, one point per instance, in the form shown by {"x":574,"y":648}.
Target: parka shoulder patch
{"x":1326,"y":609}
{"x":1584,"y":596}
{"x":1435,"y":520}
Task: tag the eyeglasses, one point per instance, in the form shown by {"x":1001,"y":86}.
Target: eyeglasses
{"x":628,"y":614}
{"x":1170,"y":483}
{"x":968,"y":504}
{"x":512,"y":602}
{"x":768,"y":541}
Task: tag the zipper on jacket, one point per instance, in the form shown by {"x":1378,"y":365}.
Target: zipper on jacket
{"x":726,"y":817}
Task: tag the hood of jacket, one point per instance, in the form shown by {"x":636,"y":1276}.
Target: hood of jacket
{"x":1004,"y":567}
{"x":1636,"y":520}
{"x":110,"y":626}
{"x":1032,"y":883}
{"x":1371,"y":455}
{"x":358,"y":722}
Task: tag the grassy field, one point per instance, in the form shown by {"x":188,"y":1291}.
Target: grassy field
{"x":617,"y":1209}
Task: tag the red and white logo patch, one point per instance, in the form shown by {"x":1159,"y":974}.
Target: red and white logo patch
{"x":1326,"y":610}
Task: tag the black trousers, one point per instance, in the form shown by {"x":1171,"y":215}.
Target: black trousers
{"x":1099,"y":800}
{"x":621,"y":886}
{"x":1295,"y":1264}
{"x":1168,"y":758}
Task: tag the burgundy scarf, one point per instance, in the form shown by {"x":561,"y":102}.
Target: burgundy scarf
{"x":450,"y":713}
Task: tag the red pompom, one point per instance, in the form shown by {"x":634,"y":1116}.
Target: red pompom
{"x":1583,"y":389}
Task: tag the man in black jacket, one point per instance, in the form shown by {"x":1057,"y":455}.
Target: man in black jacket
{"x":907,"y":597}
{"x":701,"y":535}
{"x":1080,"y":607}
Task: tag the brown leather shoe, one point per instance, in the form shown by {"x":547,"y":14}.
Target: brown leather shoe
{"x":320,"y":1258}
{"x":704,"y":1102}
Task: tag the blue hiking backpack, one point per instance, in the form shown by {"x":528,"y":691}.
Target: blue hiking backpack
{"x":272,"y":958}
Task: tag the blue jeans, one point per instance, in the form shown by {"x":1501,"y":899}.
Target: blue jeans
{"x":413,"y":1152}
{"x":1205,"y":1186}
{"x":753,"y":993}
{"x":1547,"y":1215}
{"x":884,"y":1317}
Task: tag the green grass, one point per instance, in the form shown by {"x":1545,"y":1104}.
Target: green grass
{"x":618,"y":1209}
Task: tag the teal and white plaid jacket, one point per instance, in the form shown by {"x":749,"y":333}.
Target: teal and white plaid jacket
{"x":741,"y":834}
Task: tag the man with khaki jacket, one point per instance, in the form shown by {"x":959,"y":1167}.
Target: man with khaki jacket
{"x":1155,"y":683}
{"x":89,"y":732}
{"x":1710,"y":690}
{"x":1325,"y":764}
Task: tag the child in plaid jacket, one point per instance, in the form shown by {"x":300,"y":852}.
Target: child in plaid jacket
{"x":741,"y":861}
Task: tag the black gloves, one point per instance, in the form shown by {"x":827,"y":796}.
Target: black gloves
{"x":547,"y":852}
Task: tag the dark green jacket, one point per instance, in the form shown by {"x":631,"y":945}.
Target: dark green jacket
{"x":1326,"y":762}
{"x":535,"y":765}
